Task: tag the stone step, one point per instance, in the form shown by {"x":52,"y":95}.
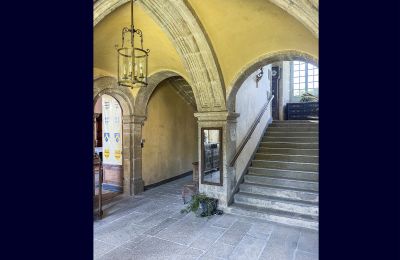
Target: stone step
{"x":313,"y":145}
{"x":277,"y":129}
{"x":297,"y":166}
{"x":289,"y":151}
{"x":279,"y":173}
{"x":290,"y":139}
{"x":293,"y":125}
{"x":269,"y":202}
{"x":278,"y":216}
{"x":291,"y":134}
{"x":286,"y":193}
{"x":281,"y":182}
{"x":286,"y":157}
{"x":295,"y":121}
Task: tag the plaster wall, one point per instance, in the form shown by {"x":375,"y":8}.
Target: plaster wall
{"x":241,"y":31}
{"x":249,"y":101}
{"x":284,"y":89}
{"x":250,"y":98}
{"x":170,"y":134}
{"x":108,"y":32}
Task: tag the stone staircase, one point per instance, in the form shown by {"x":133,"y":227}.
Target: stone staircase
{"x":281,"y":184}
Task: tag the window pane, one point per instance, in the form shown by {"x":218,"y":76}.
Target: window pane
{"x":302,"y":91}
{"x":310,"y":72}
{"x":296,"y":86}
{"x":310,"y":85}
{"x":302,"y":66}
{"x":296,"y":80}
{"x":310,"y":78}
{"x":316,"y":84}
{"x":302,"y":86}
{"x":296,"y":93}
{"x":302,"y":73}
{"x":302,"y":79}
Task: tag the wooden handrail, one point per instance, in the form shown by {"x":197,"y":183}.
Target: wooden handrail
{"x":250,"y":132}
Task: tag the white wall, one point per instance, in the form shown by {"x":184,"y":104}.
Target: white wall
{"x":284,"y":86}
{"x":249,"y":101}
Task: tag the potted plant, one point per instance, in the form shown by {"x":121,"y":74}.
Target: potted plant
{"x":307,"y":97}
{"x":202,"y":206}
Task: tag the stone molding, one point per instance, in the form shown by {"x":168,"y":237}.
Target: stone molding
{"x":216,"y":116}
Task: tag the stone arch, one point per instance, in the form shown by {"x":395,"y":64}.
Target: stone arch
{"x":144,"y":94}
{"x":108,"y":85}
{"x":263,"y":60}
{"x":184,"y":30}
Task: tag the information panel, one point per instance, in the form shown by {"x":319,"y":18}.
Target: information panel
{"x":112,"y":131}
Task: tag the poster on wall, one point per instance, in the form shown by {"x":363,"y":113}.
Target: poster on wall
{"x":112,"y":131}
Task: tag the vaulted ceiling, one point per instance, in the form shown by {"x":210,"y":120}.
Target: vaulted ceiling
{"x":206,"y":42}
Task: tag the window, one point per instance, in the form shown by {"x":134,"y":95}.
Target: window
{"x":304,"y":79}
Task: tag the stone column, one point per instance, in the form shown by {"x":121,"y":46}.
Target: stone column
{"x":137,"y":181}
{"x":95,"y":116}
{"x":132,"y":154}
{"x":227,"y":121}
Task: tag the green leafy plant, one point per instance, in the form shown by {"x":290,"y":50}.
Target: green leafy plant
{"x":208,"y":205}
{"x":307,"y":97}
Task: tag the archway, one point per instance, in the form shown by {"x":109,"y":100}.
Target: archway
{"x":251,"y":97}
{"x":169,"y":131}
{"x":108,"y":86}
{"x":247,"y":70}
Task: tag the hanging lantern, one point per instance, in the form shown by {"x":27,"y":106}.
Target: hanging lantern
{"x":132,"y":61}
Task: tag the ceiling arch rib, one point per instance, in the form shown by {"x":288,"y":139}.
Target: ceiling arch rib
{"x":184,"y":30}
{"x":305,"y":11}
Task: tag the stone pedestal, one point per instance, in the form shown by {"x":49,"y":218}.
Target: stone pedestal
{"x":227,"y":121}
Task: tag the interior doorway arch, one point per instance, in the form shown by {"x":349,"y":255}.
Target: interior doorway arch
{"x":247,"y":70}
{"x":109,"y":86}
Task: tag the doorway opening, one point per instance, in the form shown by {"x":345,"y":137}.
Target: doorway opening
{"x":108,"y":148}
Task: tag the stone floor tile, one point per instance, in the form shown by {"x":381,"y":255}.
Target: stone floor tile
{"x":277,"y":253}
{"x":182,"y":231}
{"x":248,"y":248}
{"x":119,"y":253}
{"x":133,"y":243}
{"x":119,"y":233}
{"x":207,"y":238}
{"x":218,"y":250}
{"x":226,"y":221}
{"x":301,"y":255}
{"x":155,"y":248}
{"x":261,"y":230}
{"x":235,"y":233}
{"x":100,"y":248}
{"x":308,"y":241}
{"x":150,"y":226}
{"x":161,"y":226}
{"x":287,"y":237}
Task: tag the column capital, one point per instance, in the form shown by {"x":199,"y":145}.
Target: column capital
{"x":135,"y":119}
{"x":216,"y":116}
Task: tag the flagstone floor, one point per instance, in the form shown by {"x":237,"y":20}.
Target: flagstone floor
{"x":150,"y":226}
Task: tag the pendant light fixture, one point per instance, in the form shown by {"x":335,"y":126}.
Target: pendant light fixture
{"x":132,"y":57}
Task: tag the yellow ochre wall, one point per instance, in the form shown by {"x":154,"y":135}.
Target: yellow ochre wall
{"x":170,"y":134}
{"x":242,"y":30}
{"x":107,"y":33}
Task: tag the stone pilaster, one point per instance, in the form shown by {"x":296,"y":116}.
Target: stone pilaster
{"x":228,"y":122}
{"x":132,"y":154}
